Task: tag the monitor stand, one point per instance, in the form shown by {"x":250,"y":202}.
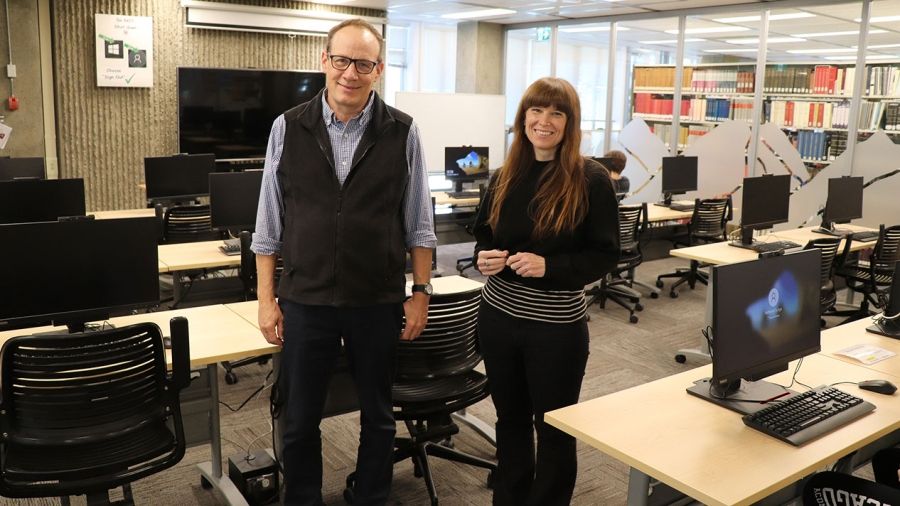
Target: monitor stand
{"x":829,"y":229}
{"x":457,"y":186}
{"x":740,"y":396}
{"x":885,"y":327}
{"x":746,"y":239}
{"x":666,"y":201}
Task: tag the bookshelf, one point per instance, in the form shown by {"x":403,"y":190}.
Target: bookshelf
{"x":809,"y":101}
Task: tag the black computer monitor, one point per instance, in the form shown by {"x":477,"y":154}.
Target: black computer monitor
{"x":679,"y":175}
{"x":76,"y":271}
{"x":845,"y":202}
{"x":764,"y":203}
{"x":233,"y":199}
{"x":765,"y":313}
{"x":179,"y":177}
{"x":21,"y":168}
{"x":889,"y":323}
{"x":466,"y":163}
{"x":28,"y":200}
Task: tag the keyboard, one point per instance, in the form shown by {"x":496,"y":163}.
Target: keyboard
{"x":231,"y":247}
{"x":682,"y":207}
{"x":465,"y":194}
{"x":809,"y":415}
{"x":766,"y":247}
{"x":871,"y":235}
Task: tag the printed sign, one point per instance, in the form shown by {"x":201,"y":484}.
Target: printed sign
{"x":124,"y":51}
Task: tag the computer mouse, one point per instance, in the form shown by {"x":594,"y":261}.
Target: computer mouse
{"x":879,"y":386}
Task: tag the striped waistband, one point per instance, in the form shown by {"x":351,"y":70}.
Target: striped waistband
{"x":552,"y":306}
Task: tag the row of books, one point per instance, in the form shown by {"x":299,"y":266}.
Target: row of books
{"x":658,"y":105}
{"x":818,"y":79}
{"x":870,"y":114}
{"x":660,"y":77}
{"x":812,"y":144}
{"x":803,"y":114}
{"x":884,"y":80}
{"x":719,"y":80}
{"x":892,"y":116}
{"x":686,"y":134}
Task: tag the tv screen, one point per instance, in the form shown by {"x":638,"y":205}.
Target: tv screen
{"x":229,"y":112}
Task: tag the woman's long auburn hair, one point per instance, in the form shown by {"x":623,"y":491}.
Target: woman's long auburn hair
{"x":560,"y":202}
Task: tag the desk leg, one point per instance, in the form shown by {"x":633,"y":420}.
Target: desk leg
{"x":478,"y":425}
{"x":212,"y":471}
{"x":176,"y":288}
{"x":638,"y":488}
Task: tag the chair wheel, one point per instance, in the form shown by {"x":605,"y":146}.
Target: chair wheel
{"x":654,"y":295}
{"x":638,"y":307}
{"x":633,"y":319}
{"x":231,"y":378}
{"x":659,"y":283}
{"x":673,"y":294}
{"x":205,"y":484}
{"x":680,"y":358}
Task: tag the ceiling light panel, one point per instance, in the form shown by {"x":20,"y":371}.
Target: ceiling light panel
{"x":479,"y":14}
{"x":773,"y":17}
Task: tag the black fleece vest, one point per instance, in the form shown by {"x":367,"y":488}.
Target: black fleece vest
{"x":344,"y":245}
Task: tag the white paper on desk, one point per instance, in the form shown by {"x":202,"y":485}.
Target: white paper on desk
{"x":5,"y":131}
{"x":866,"y":353}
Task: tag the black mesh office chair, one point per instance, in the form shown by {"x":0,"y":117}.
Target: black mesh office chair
{"x":872,"y":277}
{"x":614,"y":286}
{"x":465,"y":263}
{"x":188,"y":224}
{"x":828,"y":247}
{"x":436,"y":377}
{"x":707,"y":225}
{"x":83,"y":413}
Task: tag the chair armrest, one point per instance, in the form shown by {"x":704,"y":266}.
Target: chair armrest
{"x":181,"y":352}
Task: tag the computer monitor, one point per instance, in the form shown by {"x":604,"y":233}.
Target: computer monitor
{"x":233,"y":199}
{"x":465,"y":163}
{"x":21,"y":168}
{"x":178,"y":177}
{"x":889,"y":323}
{"x":845,"y":202}
{"x":765,"y":313}
{"x":765,"y":203}
{"x":679,"y":175}
{"x":29,"y":200}
{"x":76,"y":271}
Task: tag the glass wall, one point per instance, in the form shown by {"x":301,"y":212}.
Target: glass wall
{"x":582,"y":58}
{"x":420,"y":57}
{"x":527,"y":59}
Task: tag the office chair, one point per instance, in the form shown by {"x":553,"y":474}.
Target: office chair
{"x":83,"y":413}
{"x":465,"y":263}
{"x":436,"y":377}
{"x":188,"y":224}
{"x":614,"y":286}
{"x":872,"y":277}
{"x":707,"y":225}
{"x":828,"y":247}
{"x":829,"y":487}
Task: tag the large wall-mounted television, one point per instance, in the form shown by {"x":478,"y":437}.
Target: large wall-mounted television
{"x":229,"y":112}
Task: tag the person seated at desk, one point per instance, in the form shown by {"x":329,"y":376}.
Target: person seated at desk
{"x":620,"y":182}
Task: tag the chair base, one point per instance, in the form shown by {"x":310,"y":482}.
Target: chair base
{"x":463,"y":264}
{"x":102,"y":498}
{"x":691,"y":276}
{"x":229,"y":365}
{"x":619,"y":292}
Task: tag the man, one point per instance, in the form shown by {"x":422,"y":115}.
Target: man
{"x":345,"y":194}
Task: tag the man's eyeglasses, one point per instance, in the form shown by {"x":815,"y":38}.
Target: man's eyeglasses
{"x":342,"y":63}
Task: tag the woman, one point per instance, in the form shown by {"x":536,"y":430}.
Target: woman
{"x":548,"y":225}
{"x":620,"y":182}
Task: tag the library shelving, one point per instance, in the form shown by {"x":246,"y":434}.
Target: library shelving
{"x":809,"y":101}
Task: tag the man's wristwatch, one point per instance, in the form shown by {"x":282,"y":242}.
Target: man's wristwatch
{"x":426,"y":289}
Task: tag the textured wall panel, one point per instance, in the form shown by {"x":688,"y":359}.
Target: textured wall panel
{"x":105,"y":133}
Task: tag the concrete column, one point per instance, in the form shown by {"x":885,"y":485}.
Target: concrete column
{"x":479,"y":58}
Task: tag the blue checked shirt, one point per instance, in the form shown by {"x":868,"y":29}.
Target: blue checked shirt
{"x":345,"y":137}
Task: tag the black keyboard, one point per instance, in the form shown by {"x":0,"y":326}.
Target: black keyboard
{"x":465,"y":194}
{"x":682,"y":207}
{"x":865,"y":236}
{"x":231,"y":247}
{"x":766,"y":247}
{"x":809,"y":415}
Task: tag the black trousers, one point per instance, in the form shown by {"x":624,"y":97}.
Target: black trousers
{"x":532,"y":367}
{"x":312,"y":342}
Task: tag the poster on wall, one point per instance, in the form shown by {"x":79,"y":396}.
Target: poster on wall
{"x":124,"y":51}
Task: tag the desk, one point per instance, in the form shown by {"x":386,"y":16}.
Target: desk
{"x":706,"y":451}
{"x":443,"y":199}
{"x":720,"y":253}
{"x":146,"y":212}
{"x":216,"y":334}
{"x":848,"y":334}
{"x":657,"y":213}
